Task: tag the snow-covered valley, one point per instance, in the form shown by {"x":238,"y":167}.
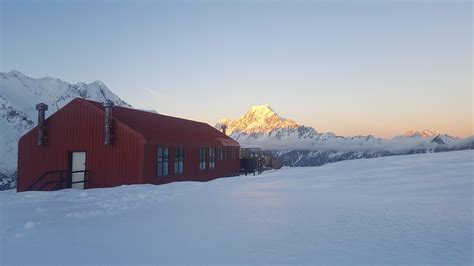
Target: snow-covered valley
{"x":410,"y":209}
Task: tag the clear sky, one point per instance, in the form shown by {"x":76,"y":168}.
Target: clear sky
{"x":350,"y":68}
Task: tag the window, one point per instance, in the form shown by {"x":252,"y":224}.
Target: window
{"x":179,"y":161}
{"x":202,"y":158}
{"x":162,"y":162}
{"x":212,"y":157}
{"x":219,"y":153}
{"x":235,"y":153}
{"x":225,"y":153}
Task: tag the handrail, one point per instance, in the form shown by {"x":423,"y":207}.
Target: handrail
{"x":61,"y":181}
{"x":50,"y":182}
{"x":41,"y":178}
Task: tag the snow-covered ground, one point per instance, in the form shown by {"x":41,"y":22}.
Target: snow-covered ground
{"x":412,"y":209}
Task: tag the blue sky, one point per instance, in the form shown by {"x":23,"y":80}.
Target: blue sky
{"x":350,"y":68}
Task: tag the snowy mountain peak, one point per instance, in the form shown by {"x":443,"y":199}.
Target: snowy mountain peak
{"x":99,"y":84}
{"x":415,"y":133}
{"x":259,"y":119}
{"x":263,"y":110}
{"x":15,"y":72}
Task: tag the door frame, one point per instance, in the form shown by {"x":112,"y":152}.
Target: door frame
{"x":69,"y":168}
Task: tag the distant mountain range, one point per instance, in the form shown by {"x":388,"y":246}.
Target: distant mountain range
{"x":294,"y":144}
{"x":19,"y":95}
{"x":299,"y":145}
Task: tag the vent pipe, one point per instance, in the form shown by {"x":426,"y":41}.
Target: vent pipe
{"x":109,"y":130}
{"x":42,"y":127}
{"x":224,"y":127}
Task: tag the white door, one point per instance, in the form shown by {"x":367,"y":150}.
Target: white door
{"x":78,"y":164}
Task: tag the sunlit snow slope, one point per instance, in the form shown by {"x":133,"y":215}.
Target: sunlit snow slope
{"x":411,"y":209}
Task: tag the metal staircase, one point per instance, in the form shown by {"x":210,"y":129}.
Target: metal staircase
{"x":60,"y":182}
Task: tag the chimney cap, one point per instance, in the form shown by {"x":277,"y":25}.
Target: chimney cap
{"x":108,"y":103}
{"x":41,"y":106}
{"x":223,"y":126}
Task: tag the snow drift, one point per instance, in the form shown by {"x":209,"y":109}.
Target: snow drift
{"x":399,"y":210}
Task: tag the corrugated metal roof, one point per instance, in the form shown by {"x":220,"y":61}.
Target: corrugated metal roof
{"x":162,"y":129}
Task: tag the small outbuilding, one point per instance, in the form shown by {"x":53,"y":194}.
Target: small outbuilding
{"x":88,"y":144}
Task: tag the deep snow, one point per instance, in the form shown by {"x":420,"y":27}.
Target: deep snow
{"x":412,"y":209}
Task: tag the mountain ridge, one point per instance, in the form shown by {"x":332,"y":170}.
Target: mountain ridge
{"x":265,"y":112}
{"x":299,"y":143}
{"x":260,"y":118}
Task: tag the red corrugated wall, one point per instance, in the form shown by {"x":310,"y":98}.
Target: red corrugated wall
{"x":228,"y":167}
{"x":80,"y":127}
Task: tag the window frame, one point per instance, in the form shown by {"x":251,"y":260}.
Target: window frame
{"x":202,"y":159}
{"x":212,"y":157}
{"x":162,"y":162}
{"x":178,"y":162}
{"x":220,"y":154}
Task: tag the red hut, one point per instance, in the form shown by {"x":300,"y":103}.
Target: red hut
{"x":88,"y":144}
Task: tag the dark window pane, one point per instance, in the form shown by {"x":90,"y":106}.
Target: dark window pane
{"x":160,"y":154}
{"x":160,"y":169}
{"x":165,"y":169}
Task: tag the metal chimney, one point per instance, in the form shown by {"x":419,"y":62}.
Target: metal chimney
{"x":224,"y":127}
{"x":108,"y":137}
{"x":42,"y":127}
